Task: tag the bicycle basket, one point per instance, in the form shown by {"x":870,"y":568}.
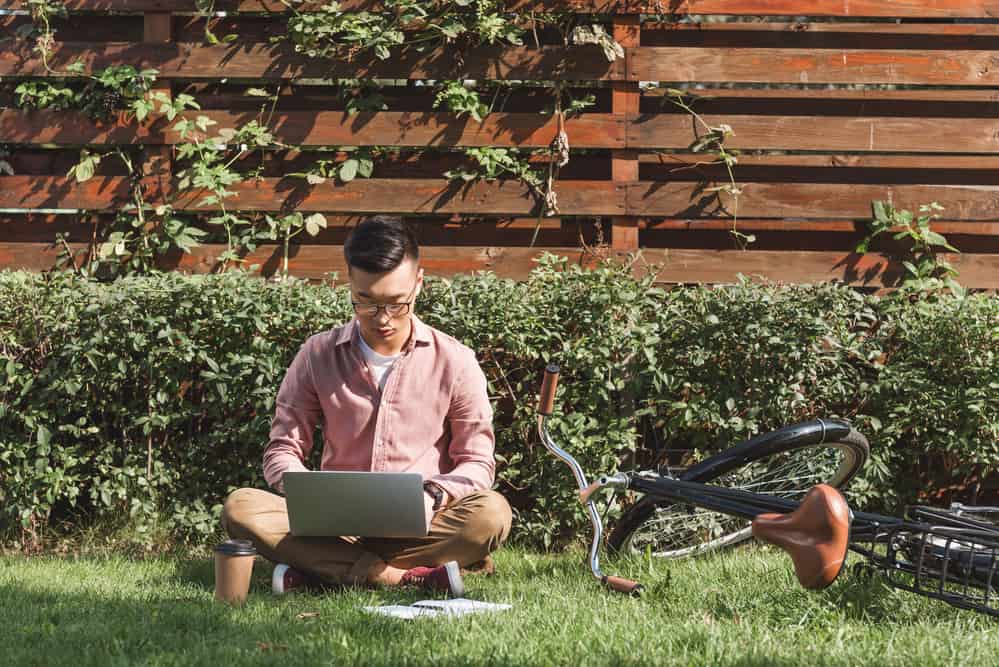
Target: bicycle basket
{"x":957,"y":565}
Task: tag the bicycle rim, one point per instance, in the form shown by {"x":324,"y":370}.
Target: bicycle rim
{"x":676,"y":530}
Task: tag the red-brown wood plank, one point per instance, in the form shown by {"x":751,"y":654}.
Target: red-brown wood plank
{"x":34,"y":160}
{"x":824,"y":34}
{"x":325,"y":128}
{"x":933,"y":165}
{"x":645,"y":131}
{"x":796,"y":235}
{"x":430,"y":230}
{"x":97,"y":27}
{"x":669,"y":199}
{"x":843,"y":169}
{"x":316,"y":261}
{"x":158,"y":27}
{"x":807,"y":200}
{"x":362,"y":195}
{"x":816,"y":133}
{"x":662,"y":33}
{"x":851,"y":8}
{"x":811,"y":66}
{"x":625,"y":98}
{"x":194,"y":61}
{"x":831,"y":97}
{"x":677,"y":265}
{"x":871,"y":269}
{"x":308,"y":95}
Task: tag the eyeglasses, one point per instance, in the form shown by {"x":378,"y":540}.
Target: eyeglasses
{"x":391,"y":309}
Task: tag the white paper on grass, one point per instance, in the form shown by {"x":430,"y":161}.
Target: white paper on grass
{"x":455,"y":607}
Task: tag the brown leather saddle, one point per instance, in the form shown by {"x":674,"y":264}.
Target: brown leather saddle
{"x":816,"y":535}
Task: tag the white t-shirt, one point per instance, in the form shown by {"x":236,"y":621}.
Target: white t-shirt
{"x":378,"y":364}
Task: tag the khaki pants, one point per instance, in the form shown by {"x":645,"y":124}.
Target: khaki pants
{"x":467,"y":530}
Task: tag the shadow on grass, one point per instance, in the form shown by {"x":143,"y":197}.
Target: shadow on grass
{"x":163,"y":624}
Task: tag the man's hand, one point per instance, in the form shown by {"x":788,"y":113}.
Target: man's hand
{"x":428,"y":503}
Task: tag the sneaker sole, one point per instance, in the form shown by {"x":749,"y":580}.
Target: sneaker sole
{"x":454,"y":578}
{"x":277,"y":579}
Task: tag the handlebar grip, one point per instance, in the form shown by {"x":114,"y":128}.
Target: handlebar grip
{"x":622,"y":585}
{"x":546,"y":401}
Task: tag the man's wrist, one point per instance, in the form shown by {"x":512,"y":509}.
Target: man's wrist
{"x":437,"y":493}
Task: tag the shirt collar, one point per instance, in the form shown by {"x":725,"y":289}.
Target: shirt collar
{"x":421,"y":332}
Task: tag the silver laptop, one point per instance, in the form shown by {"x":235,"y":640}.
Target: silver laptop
{"x":366,"y":504}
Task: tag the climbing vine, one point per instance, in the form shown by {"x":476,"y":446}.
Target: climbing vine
{"x":211,"y":160}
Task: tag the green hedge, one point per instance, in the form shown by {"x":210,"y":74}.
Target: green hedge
{"x":150,"y":398}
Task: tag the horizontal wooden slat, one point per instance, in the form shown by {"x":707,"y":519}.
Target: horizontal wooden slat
{"x":808,"y":200}
{"x":843,"y":169}
{"x":838,"y":226}
{"x":678,"y":265}
{"x":430,"y":230}
{"x":653,"y":32}
{"x":191,"y":61}
{"x":645,"y":131}
{"x":816,"y":133}
{"x":706,"y":65}
{"x":36,"y":161}
{"x":832,"y":99}
{"x":97,"y":27}
{"x":499,"y":225}
{"x":315,"y":261}
{"x":325,"y":128}
{"x":840,"y":66}
{"x":871,"y":269}
{"x":362,"y":195}
{"x":832,"y":96}
{"x":298,"y":96}
{"x":793,"y":235}
{"x":934,"y":166}
{"x":667,"y":199}
{"x":824,"y":34}
{"x":851,"y":8}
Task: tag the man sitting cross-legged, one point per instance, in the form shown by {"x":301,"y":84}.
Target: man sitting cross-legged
{"x":394,"y":394}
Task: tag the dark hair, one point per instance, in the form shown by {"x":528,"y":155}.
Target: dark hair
{"x":380,"y":244}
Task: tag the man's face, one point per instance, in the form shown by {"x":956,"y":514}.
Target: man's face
{"x":382,"y":330}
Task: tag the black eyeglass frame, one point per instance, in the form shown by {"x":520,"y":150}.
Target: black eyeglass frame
{"x":358,"y":305}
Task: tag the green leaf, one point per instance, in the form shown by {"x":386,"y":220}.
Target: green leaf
{"x":880,"y":210}
{"x":314,"y":223}
{"x":348,"y":170}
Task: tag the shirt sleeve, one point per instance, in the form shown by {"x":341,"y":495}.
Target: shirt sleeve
{"x":296,"y":415}
{"x":472,"y":440}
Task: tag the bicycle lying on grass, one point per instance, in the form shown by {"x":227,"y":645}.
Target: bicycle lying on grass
{"x":785,"y":483}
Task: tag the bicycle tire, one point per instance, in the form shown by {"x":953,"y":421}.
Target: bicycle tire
{"x":643,"y":525}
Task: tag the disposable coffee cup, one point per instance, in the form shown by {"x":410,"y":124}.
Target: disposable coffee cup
{"x":233,"y":567}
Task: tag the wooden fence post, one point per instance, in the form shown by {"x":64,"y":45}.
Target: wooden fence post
{"x":158,"y":27}
{"x":624,"y":100}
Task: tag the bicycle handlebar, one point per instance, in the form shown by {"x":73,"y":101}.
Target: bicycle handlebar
{"x":546,"y":401}
{"x":546,"y":404}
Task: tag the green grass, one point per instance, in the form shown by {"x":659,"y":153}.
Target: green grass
{"x":738,"y":608}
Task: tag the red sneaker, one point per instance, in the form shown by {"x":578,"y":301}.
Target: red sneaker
{"x":444,"y":578}
{"x":287,"y":579}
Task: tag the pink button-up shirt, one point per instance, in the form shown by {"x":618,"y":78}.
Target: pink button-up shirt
{"x":433,"y":416}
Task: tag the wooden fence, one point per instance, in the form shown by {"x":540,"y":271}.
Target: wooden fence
{"x":833,"y":105}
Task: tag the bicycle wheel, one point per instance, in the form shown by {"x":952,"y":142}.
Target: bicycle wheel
{"x":786,"y":463}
